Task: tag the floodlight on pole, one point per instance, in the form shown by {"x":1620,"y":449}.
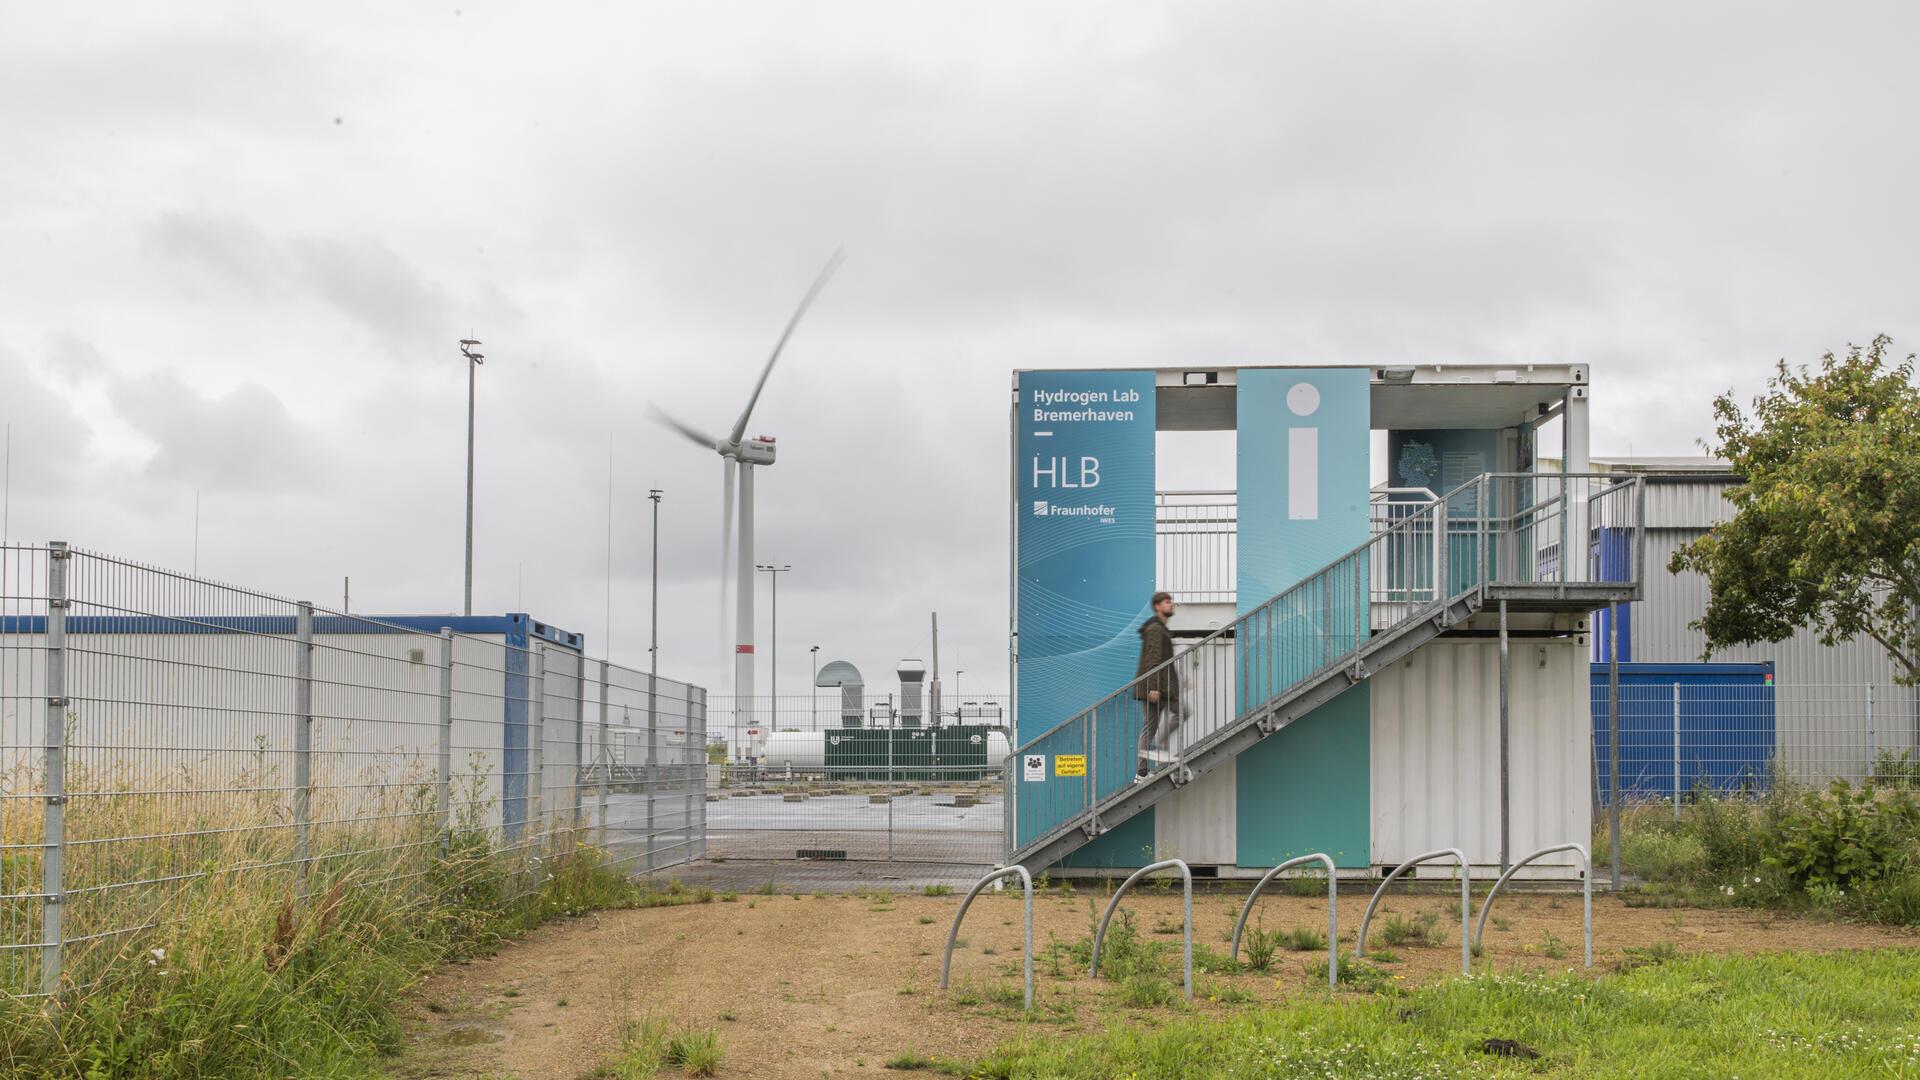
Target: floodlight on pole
{"x":814,"y":691}
{"x":474,"y":360}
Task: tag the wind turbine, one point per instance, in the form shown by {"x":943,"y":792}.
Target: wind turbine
{"x":739,"y":454}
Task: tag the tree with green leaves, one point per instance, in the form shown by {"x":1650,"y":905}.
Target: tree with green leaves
{"x":1826,"y":530}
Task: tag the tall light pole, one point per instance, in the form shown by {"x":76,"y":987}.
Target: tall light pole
{"x":814,"y":691}
{"x":474,"y":360}
{"x":653,"y":662}
{"x":959,"y":703}
{"x":773,"y":632}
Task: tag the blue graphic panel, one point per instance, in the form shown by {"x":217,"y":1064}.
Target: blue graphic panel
{"x":1084,"y":461}
{"x":1303,"y":481}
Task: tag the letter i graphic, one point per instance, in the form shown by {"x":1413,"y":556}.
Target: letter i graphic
{"x":1303,"y":456}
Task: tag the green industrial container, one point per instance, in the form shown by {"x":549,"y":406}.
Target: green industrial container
{"x":921,"y":754}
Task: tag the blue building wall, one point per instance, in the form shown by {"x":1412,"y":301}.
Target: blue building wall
{"x":1612,"y":559}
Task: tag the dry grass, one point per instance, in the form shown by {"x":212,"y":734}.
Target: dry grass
{"x":144,"y":851}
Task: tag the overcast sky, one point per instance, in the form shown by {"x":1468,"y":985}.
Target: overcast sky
{"x":238,"y":243}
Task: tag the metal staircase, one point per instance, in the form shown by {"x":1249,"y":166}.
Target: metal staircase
{"x":1551,"y":542}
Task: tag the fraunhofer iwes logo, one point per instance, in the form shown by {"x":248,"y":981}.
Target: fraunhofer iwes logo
{"x":1039,"y":508}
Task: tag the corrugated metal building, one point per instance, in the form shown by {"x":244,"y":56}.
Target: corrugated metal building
{"x":1837,"y":705}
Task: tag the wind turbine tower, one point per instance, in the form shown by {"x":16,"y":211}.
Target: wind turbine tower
{"x":740,"y":454}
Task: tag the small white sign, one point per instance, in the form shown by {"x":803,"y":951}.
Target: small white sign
{"x":1036,"y":768}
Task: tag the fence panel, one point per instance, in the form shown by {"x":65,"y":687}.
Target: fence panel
{"x":1681,"y":735}
{"x":861,"y":808}
{"x":166,"y":741}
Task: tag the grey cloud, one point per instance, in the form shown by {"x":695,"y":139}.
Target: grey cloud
{"x":242,"y":441}
{"x":361,"y":279}
{"x":49,"y":439}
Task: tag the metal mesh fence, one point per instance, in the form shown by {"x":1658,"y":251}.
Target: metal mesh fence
{"x":160,"y":734}
{"x":1679,"y":735}
{"x":904,"y":813}
{"x":831,"y":709}
{"x":850,"y":775}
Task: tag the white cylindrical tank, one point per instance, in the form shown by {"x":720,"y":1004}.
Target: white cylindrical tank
{"x":800,"y":749}
{"x":808,"y":750}
{"x":996,"y":749}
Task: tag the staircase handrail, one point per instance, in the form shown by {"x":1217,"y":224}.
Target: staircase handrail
{"x":1126,"y":690}
{"x":1414,"y":514}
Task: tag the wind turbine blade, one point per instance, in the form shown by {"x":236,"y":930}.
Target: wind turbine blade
{"x":694,"y":434}
{"x":819,"y":283}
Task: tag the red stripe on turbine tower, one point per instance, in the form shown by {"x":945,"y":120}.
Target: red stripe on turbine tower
{"x":743,"y":648}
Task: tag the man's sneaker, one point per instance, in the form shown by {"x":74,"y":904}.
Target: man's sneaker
{"x":1140,"y":778}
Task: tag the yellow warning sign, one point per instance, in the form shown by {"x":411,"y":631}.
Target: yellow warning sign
{"x":1069,"y":764}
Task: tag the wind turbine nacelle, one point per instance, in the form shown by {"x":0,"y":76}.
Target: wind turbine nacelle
{"x":757,"y":450}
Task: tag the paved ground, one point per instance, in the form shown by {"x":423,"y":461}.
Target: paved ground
{"x":789,"y":875}
{"x":946,"y":827}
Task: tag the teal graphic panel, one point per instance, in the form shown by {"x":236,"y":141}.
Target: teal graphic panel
{"x":1305,"y":789}
{"x":1129,"y":845}
{"x":1303,"y":486}
{"x":1084,"y":513}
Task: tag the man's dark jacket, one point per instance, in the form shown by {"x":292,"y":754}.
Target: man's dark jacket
{"x":1156,"y":647}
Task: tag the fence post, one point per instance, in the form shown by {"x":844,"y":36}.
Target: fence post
{"x":537,"y":751}
{"x":653,"y":759}
{"x":890,"y":731}
{"x":696,"y":795}
{"x":579,"y":745}
{"x":1613,"y":748}
{"x":1869,"y":768}
{"x":53,"y":857}
{"x":443,"y":771}
{"x":606,"y":755}
{"x":1676,"y":753}
{"x":302,"y":743}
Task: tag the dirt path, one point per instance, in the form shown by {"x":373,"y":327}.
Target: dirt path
{"x":821,"y":986}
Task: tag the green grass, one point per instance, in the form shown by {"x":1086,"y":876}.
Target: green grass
{"x":1420,"y":930}
{"x":1144,"y":990}
{"x":1303,"y":939}
{"x":697,"y":1053}
{"x":912,"y":1062}
{"x":1260,"y":946}
{"x":648,"y":1045}
{"x":1786,"y":1016}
